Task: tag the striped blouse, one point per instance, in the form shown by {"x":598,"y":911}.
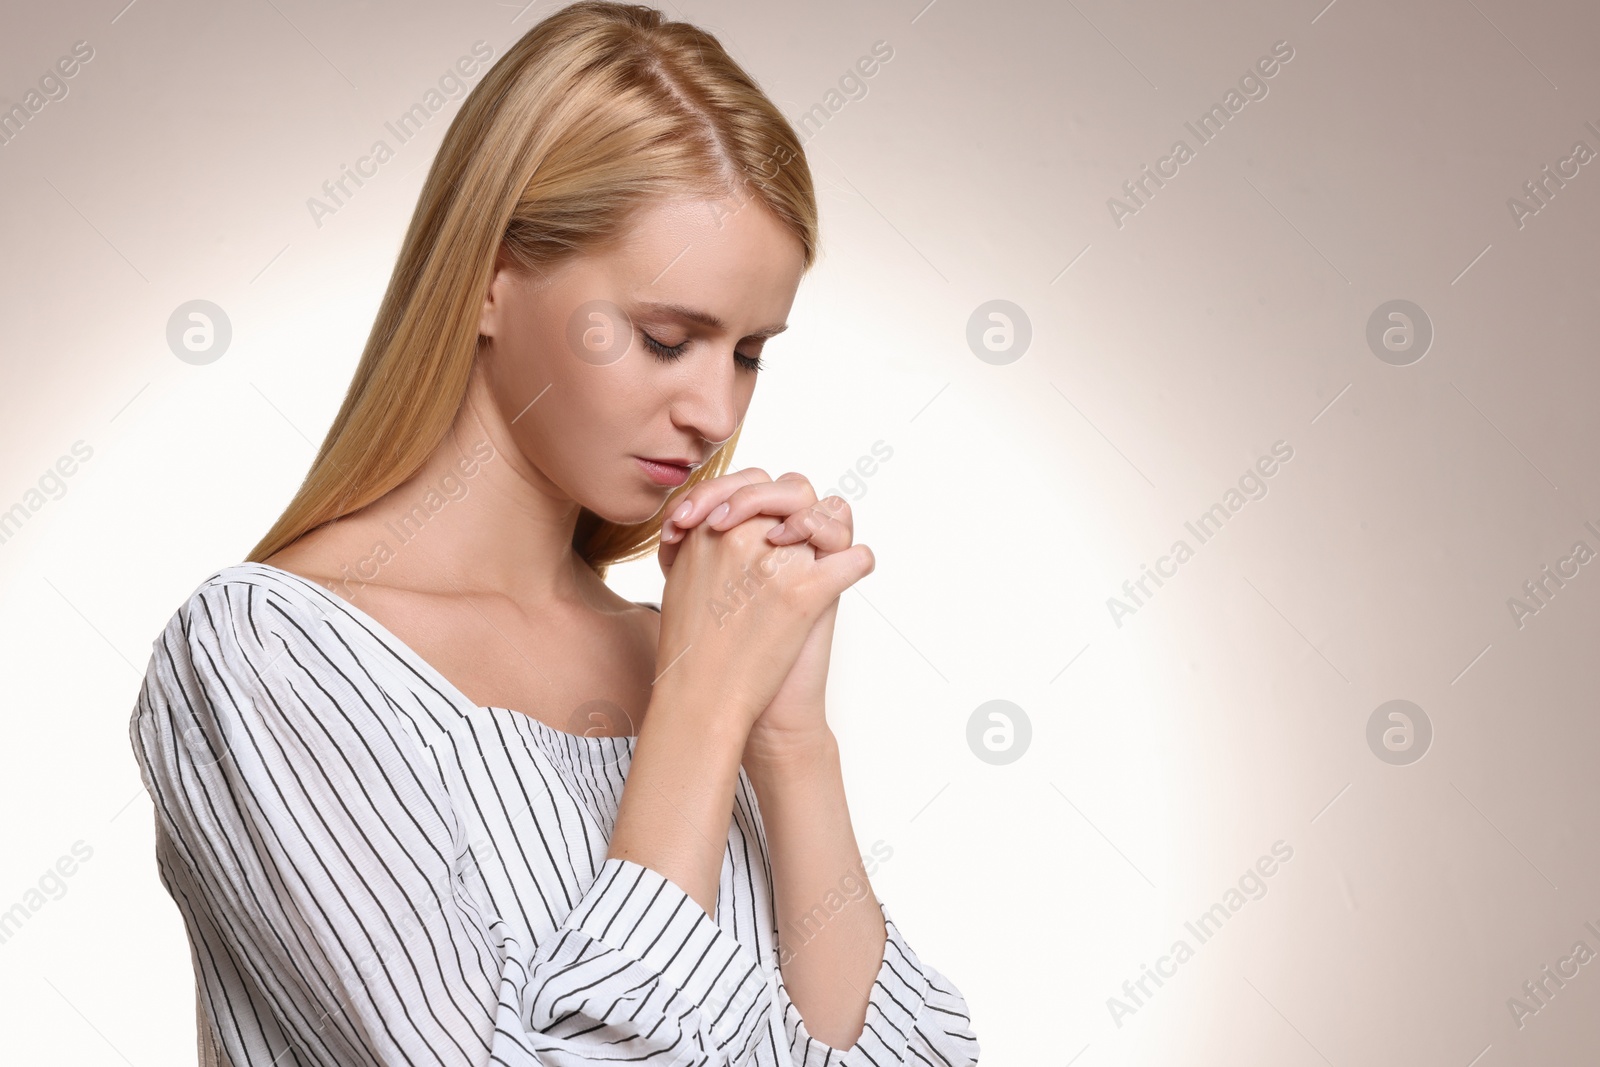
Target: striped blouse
{"x":373,"y":870}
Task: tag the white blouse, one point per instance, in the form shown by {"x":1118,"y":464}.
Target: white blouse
{"x":373,"y":870}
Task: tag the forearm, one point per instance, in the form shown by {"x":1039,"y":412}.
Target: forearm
{"x":676,"y":806}
{"x":830,"y":928}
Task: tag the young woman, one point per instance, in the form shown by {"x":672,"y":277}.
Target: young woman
{"x":427,"y":791}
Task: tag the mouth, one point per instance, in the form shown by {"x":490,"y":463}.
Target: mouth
{"x":668,"y":472}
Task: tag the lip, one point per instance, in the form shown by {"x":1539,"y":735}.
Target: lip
{"x":667,"y":472}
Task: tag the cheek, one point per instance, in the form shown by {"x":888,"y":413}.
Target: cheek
{"x":530,"y":382}
{"x":568,"y":415}
{"x":533,"y":364}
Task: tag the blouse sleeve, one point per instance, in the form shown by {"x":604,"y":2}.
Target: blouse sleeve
{"x":914,"y":1015}
{"x":324,"y":851}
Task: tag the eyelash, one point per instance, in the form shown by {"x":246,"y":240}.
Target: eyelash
{"x":668,"y":355}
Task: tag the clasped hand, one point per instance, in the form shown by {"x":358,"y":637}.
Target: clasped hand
{"x":794,"y":720}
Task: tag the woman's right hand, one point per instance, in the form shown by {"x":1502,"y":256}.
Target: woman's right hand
{"x":737,"y":609}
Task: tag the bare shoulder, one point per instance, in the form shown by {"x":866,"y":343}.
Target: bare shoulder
{"x":325,"y":556}
{"x":339,"y":558}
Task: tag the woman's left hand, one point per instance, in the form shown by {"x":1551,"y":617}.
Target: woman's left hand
{"x":795,"y":718}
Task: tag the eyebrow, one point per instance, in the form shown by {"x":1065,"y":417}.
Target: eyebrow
{"x":705,"y":318}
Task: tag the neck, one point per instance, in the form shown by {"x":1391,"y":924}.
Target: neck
{"x":476,"y":519}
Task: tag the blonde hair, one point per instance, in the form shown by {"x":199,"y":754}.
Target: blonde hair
{"x":596,"y":111}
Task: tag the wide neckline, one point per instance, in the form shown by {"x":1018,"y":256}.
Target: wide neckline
{"x":435,"y":677}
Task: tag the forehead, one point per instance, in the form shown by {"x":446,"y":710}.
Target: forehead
{"x":730,"y":257}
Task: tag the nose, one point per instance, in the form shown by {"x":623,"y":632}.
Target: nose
{"x":707,"y":398}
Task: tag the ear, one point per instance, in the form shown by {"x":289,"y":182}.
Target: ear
{"x":495,"y":293}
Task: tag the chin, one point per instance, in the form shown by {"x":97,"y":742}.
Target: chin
{"x":632,"y":508}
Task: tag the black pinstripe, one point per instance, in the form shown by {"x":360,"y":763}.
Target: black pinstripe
{"x":373,"y":870}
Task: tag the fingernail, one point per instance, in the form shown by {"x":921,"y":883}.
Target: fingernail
{"x":776,"y":531}
{"x":683,"y":511}
{"x":722,"y":509}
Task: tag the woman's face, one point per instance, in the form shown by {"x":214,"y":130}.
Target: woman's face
{"x":571,"y":368}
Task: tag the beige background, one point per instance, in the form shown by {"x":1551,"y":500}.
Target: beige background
{"x":1167,"y":753}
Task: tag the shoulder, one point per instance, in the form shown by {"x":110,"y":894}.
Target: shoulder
{"x":247,"y":631}
{"x":255,"y":648}
{"x":245,"y":602}
{"x":209,"y":667}
{"x":259,"y":686}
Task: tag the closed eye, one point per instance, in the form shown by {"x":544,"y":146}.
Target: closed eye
{"x":673,"y":353}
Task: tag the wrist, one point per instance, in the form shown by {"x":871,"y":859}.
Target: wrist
{"x":719,"y":726}
{"x":790,"y":753}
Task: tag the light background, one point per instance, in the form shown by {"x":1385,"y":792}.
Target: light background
{"x":1167,"y":753}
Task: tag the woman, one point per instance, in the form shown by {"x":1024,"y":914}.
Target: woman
{"x":427,"y":791}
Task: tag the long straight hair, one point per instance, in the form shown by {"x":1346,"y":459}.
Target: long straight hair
{"x":597,"y":111}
